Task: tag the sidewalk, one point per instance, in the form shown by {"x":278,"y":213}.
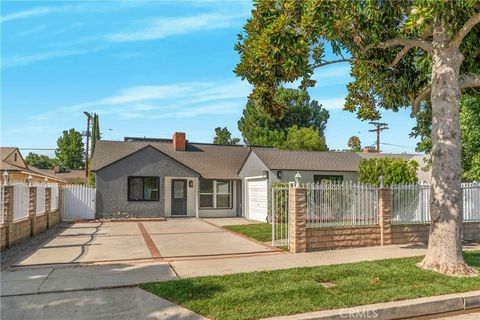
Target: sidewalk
{"x":23,"y":281}
{"x":196,"y":267}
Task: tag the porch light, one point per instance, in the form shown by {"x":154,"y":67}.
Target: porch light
{"x":297,"y":179}
{"x":29,"y":180}
{"x":5,"y":178}
{"x":265,"y":174}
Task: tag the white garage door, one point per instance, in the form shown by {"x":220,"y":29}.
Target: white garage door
{"x":257,"y":199}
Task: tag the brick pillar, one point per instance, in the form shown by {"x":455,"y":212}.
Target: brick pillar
{"x":48,"y":205}
{"x":385,"y":215}
{"x":8,"y":215}
{"x":32,"y":210}
{"x":297,"y":217}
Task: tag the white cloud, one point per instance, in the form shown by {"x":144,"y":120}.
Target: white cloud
{"x":190,"y":99}
{"x":38,"y":11}
{"x":37,"y":29}
{"x":163,"y":27}
{"x":21,"y":60}
{"x":331,"y":103}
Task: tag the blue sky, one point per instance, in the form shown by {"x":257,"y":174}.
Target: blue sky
{"x":148,"y":68}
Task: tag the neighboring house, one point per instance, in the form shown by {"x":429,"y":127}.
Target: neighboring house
{"x":70,"y":176}
{"x":143,"y":177}
{"x":18,"y":171}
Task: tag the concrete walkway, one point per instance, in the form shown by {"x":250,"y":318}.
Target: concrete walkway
{"x":22,"y":281}
{"x":228,"y":265}
{"x":118,"y":304}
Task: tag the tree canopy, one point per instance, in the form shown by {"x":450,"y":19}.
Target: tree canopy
{"x":303,"y":139}
{"x":39,"y":161}
{"x":223,"y":136}
{"x":470,"y":134}
{"x":402,"y":53}
{"x":258,"y":127}
{"x":354,"y":144}
{"x":394,"y":171}
{"x":70,"y":151}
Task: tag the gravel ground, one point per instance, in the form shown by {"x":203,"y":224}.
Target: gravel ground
{"x":21,"y":249}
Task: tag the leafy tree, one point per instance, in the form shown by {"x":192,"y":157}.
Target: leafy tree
{"x":260,"y":128}
{"x":394,"y":171}
{"x":70,"y":151}
{"x":39,"y":161}
{"x":354,"y":143}
{"x":402,"y":53}
{"x":303,"y":139}
{"x":223,"y":136}
{"x":470,"y":137}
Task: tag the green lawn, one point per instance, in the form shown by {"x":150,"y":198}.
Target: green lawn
{"x":260,"y":231}
{"x":282,"y":292}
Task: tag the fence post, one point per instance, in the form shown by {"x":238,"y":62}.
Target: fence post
{"x":297,"y":207}
{"x":385,"y":215}
{"x":8,"y":198}
{"x":48,"y":204}
{"x":60,"y":202}
{"x":32,"y":210}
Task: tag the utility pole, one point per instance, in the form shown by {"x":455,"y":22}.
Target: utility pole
{"x":87,"y":134}
{"x":379,"y":127}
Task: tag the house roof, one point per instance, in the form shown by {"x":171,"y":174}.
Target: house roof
{"x":276,"y":159}
{"x":208,"y":160}
{"x":71,"y":176}
{"x":225,"y":161}
{"x":5,"y":165}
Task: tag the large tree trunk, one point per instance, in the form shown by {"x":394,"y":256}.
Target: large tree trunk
{"x":446,"y":203}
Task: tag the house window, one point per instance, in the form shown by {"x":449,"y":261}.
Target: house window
{"x":143,"y":188}
{"x":327,"y":178}
{"x":215,"y":194}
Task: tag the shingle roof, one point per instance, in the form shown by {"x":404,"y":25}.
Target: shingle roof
{"x":210,"y":161}
{"x":6,"y":151}
{"x":71,"y":176}
{"x":276,"y":159}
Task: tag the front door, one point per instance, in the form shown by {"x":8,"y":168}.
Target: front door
{"x":179,"y":197}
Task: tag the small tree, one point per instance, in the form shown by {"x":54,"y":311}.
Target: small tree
{"x":39,"y":161}
{"x":354,"y":144}
{"x":70,"y":151}
{"x":94,"y":138}
{"x":260,"y":128}
{"x":304,"y":139}
{"x":394,"y":171}
{"x":223,"y":136}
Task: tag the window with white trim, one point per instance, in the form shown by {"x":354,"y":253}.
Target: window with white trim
{"x":215,"y":194}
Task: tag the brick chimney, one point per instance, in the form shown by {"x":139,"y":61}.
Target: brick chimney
{"x":57,"y":169}
{"x":179,"y":141}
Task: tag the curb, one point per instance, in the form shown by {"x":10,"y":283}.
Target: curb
{"x":398,"y":309}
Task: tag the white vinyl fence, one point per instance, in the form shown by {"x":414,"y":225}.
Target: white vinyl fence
{"x":21,"y":195}
{"x":411,"y":203}
{"x":341,"y":204}
{"x":78,"y":202}
{"x":40,"y":206}
{"x":54,"y":196}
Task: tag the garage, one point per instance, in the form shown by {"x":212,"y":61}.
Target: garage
{"x":257,"y":199}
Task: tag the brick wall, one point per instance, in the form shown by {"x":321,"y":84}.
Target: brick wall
{"x":41,"y":223}
{"x":21,"y":231}
{"x":3,"y":237}
{"x":341,"y":237}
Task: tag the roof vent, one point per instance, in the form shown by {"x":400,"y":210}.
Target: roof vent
{"x":179,"y":141}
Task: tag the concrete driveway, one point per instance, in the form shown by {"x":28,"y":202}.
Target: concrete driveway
{"x":99,"y":242}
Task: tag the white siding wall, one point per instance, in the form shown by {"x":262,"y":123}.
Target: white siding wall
{"x":191,"y":196}
{"x":307,"y":176}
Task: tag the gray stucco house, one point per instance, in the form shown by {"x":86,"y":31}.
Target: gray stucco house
{"x":141,"y":177}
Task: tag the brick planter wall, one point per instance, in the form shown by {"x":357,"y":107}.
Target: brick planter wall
{"x":341,"y":237}
{"x":41,"y":223}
